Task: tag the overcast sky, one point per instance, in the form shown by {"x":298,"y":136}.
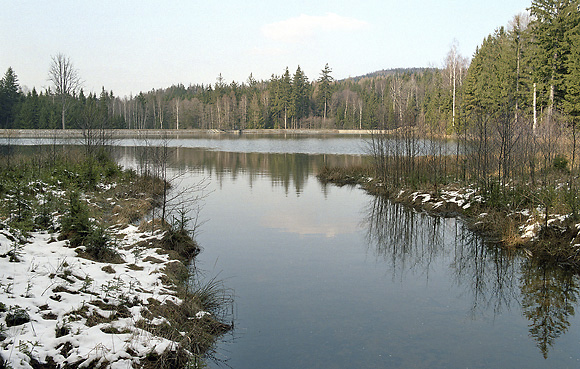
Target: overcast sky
{"x":133,"y":46}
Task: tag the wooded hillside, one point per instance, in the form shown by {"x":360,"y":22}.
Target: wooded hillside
{"x":525,"y":75}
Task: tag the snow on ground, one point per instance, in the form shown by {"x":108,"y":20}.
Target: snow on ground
{"x":50,"y":283}
{"x":454,"y":201}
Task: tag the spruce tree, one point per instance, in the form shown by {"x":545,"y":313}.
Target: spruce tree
{"x":9,"y":96}
{"x":552,"y":19}
{"x":572,"y":81}
{"x":325,"y":88}
{"x":285,"y":96}
{"x":300,"y":95}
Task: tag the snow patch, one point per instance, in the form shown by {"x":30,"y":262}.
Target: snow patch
{"x":52,"y":284}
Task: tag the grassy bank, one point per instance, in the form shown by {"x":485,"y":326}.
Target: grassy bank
{"x":541,"y":219}
{"x":88,"y":280}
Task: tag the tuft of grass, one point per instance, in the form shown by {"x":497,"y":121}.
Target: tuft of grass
{"x":131,"y":210}
{"x":194,"y":333}
{"x":16,"y":316}
{"x":181,"y":243}
{"x":343,"y":176}
{"x":108,"y":269}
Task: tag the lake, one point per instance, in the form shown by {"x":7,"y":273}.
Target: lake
{"x":329,"y":277}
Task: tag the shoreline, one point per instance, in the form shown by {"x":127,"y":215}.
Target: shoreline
{"x":174,"y":133}
{"x":127,"y":301}
{"x":554,"y":238}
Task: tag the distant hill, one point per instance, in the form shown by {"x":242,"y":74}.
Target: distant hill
{"x":389,"y":72}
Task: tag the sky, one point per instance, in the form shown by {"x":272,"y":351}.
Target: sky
{"x":132,"y":46}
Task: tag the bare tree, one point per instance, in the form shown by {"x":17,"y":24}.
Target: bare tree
{"x":456,"y":67}
{"x":66,"y":80}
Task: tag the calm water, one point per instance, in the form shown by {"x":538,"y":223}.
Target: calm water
{"x":254,"y":143}
{"x":328,"y":277}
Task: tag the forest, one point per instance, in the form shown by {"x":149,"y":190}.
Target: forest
{"x":521,"y":84}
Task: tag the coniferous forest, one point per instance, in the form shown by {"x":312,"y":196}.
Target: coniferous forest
{"x":523,"y":81}
{"x":491,"y":137}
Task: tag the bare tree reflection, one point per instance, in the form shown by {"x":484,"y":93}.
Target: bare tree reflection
{"x":412,"y":241}
{"x":486,"y":271}
{"x":401,"y":236}
{"x":495,"y":277}
{"x":549,"y":295}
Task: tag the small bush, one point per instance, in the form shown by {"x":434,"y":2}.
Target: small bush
{"x":76,"y":225}
{"x":98,"y":242}
{"x":20,"y":207}
{"x":100,"y":246}
{"x":44,"y":218}
{"x":16,"y":316}
{"x":61,"y":329}
{"x":560,"y":163}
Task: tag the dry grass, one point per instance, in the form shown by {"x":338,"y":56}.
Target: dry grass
{"x":193,"y":334}
{"x":130,"y":211}
{"x":343,"y":176}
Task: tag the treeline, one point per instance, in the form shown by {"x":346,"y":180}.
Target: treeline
{"x":34,"y":110}
{"x":524,"y":75}
{"x":514,"y":114}
{"x":288,"y":100}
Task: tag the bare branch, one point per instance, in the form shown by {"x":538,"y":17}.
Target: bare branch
{"x":66,"y":80}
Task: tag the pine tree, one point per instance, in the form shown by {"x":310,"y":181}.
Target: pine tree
{"x":300,"y":96}
{"x":9,"y":97}
{"x":572,"y":80}
{"x":29,"y":112}
{"x":275,"y":107}
{"x":325,"y":88}
{"x":551,"y":21}
{"x":285,"y":95}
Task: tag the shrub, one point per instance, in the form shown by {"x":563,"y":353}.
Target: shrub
{"x":76,"y":225}
{"x":61,"y":329}
{"x":44,"y":219}
{"x":20,"y":207}
{"x":16,"y":316}
{"x":99,"y":245}
{"x":560,"y":163}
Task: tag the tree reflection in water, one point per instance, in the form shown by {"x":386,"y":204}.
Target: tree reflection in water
{"x":549,"y":295}
{"x":488,"y":272}
{"x":406,"y":239}
{"x":495,"y":277}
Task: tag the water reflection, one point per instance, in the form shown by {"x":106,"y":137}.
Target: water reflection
{"x":494,"y":277}
{"x":410,"y":245}
{"x":289,"y":171}
{"x":401,"y":236}
{"x":487,"y":272}
{"x":549,"y":296}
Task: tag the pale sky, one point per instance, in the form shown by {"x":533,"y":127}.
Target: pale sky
{"x":133,"y":46}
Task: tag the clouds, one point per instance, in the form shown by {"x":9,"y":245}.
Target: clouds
{"x":305,"y":27}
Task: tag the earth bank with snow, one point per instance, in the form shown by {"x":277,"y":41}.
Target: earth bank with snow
{"x":61,"y":307}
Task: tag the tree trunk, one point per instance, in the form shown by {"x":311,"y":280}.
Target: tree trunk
{"x":454,"y":88}
{"x":535,"y":124}
{"x":177,"y":108}
{"x":63,"y":110}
